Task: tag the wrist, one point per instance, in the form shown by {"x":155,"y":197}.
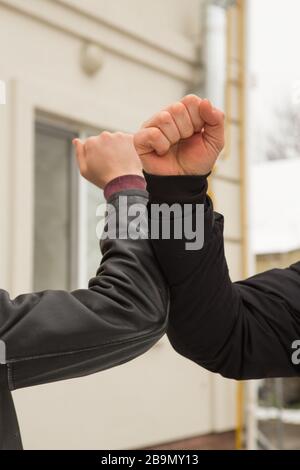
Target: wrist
{"x":171,"y":189}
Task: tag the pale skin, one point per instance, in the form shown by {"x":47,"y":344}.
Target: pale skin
{"x":108,"y":156}
{"x":185,"y":138}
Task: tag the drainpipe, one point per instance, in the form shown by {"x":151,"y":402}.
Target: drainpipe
{"x":217,"y":36}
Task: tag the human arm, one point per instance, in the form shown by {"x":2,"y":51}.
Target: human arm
{"x":241,"y":330}
{"x":54,"y":335}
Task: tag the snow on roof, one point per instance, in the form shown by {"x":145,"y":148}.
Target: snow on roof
{"x":275,"y":206}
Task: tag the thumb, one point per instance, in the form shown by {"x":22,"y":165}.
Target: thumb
{"x":214,"y":124}
{"x":80,"y":155}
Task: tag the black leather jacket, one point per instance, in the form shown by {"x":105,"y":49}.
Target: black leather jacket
{"x":56,"y":335}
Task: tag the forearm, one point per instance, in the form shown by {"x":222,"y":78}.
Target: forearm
{"x":241,"y":330}
{"x":56,"y":335}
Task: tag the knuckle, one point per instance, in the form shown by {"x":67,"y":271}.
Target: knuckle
{"x":165,"y":145}
{"x":164,"y":118}
{"x":178,"y":108}
{"x":105,"y":135}
{"x":191,"y":99}
{"x":154,"y":133}
{"x":119,"y":135}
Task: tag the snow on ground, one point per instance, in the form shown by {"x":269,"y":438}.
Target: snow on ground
{"x":275,"y":206}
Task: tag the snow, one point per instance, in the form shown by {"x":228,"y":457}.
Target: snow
{"x":275,"y":206}
{"x":290,"y":416}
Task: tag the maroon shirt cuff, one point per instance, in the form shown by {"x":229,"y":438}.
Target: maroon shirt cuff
{"x":123,"y":183}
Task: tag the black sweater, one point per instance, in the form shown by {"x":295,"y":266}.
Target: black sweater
{"x":242,"y":330}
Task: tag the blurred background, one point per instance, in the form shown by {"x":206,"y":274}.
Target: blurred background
{"x":74,"y":68}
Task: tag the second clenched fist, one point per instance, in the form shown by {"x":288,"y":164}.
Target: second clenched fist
{"x":106,"y":157}
{"x":184,"y":139}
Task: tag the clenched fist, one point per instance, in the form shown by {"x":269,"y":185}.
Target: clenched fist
{"x":184,"y":139}
{"x":106,"y":157}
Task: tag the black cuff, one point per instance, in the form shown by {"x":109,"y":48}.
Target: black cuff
{"x":181,"y":189}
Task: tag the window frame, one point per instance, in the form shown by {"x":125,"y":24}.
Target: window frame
{"x":79,"y":195}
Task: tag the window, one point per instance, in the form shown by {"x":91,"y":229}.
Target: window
{"x":53,"y":209}
{"x":66,"y":249}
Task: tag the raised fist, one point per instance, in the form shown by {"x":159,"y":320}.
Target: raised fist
{"x":184,"y":139}
{"x":106,"y":157}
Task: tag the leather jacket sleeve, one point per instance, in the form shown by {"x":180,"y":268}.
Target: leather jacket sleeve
{"x":242,"y":330}
{"x":56,"y":335}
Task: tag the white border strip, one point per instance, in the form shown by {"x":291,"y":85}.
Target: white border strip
{"x":2,"y":92}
